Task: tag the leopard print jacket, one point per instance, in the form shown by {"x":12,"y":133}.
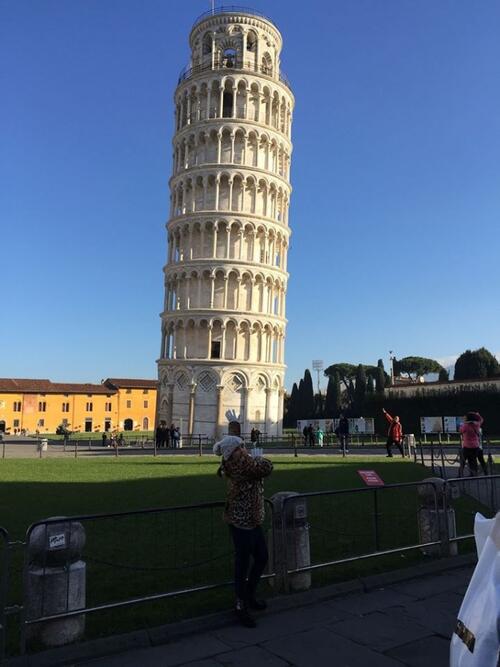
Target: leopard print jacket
{"x":245,"y":495}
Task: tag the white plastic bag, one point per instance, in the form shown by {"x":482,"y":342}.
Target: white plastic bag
{"x":476,"y":640}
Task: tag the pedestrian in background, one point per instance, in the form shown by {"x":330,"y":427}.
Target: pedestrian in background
{"x":394,"y":434}
{"x":471,"y":436}
{"x":342,"y":433}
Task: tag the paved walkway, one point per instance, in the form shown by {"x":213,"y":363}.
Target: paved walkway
{"x":408,"y":623}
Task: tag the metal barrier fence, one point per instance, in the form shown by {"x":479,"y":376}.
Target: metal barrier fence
{"x":146,"y":556}
{"x":360,"y":524}
{"x":439,"y":457}
{"x":4,"y":585}
{"x":131,"y":558}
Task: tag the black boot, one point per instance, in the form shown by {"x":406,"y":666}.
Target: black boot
{"x":243,"y":616}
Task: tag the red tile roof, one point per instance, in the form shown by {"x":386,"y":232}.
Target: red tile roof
{"x":28,"y":386}
{"x":131,"y":383}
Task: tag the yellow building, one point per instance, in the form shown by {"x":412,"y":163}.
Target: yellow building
{"x":136,"y":402}
{"x":29,"y":406}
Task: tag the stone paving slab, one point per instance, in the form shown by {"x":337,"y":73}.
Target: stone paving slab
{"x":372,"y":601}
{"x":170,"y":655}
{"x":406,"y":624}
{"x":428,"y":652}
{"x":381,"y":631}
{"x":272,"y":626}
{"x":252,"y":656}
{"x":321,"y":647}
{"x":438,"y":614}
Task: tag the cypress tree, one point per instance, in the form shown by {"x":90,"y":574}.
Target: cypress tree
{"x":380,"y":379}
{"x":293,"y":407}
{"x":351,"y":393}
{"x":360,"y":389}
{"x":332,"y":402}
{"x":370,"y":385}
{"x":307,"y":403}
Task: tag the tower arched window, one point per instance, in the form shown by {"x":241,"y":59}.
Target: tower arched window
{"x":267,"y":64}
{"x":206,"y":47}
{"x":229,"y":58}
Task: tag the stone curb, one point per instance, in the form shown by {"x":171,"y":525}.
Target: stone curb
{"x":99,"y":648}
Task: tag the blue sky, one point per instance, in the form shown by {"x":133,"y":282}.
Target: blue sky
{"x":396,"y":176}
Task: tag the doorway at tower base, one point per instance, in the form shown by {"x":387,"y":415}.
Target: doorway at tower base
{"x":203,"y":400}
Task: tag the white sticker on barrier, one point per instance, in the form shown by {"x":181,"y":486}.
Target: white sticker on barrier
{"x":57,"y":541}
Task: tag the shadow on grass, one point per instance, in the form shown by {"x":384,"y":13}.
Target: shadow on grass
{"x":164,"y":551}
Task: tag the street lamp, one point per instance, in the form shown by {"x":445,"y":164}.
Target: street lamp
{"x":391,"y":360}
{"x":318,"y":367}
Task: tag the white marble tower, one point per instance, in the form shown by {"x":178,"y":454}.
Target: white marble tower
{"x":223,"y":323}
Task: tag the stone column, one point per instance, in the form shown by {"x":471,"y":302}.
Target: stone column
{"x":224,"y":302}
{"x":209,"y":341}
{"x":214,"y":241}
{"x":219,"y":149}
{"x":268,"y":410}
{"x":212,"y":291}
{"x":220,"y":412}
{"x":246,"y":409}
{"x":192,"y":395}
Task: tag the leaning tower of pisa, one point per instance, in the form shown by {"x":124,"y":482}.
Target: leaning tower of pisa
{"x":223,"y":322}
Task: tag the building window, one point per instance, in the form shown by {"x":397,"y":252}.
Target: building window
{"x":107,"y":407}
{"x":41,"y":422}
{"x":89,"y":395}
{"x":65,"y":407}
{"x":17,"y":406}
{"x":129,"y":404}
{"x":16,"y":423}
{"x":145,"y":391}
{"x":42,"y":406}
{"x":88,"y":425}
{"x":215,"y":349}
{"x":89,"y":406}
{"x":107,"y":425}
{"x":128,"y":391}
{"x":146,"y":404}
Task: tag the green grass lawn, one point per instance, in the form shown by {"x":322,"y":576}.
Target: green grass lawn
{"x":164,"y":551}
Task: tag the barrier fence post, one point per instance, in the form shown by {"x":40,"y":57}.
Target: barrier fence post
{"x":375,"y":519}
{"x":76,"y":449}
{"x":200,"y":450}
{"x":54,"y":582}
{"x":154,"y":447}
{"x":290,"y":539}
{"x":90,"y":445}
{"x":3,"y":449}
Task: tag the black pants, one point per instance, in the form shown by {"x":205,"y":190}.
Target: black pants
{"x":390,"y":442}
{"x":470,"y":456}
{"x":248,"y":544}
{"x":343,"y":441}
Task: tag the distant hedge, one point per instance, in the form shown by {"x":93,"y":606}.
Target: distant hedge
{"x":434,"y":404}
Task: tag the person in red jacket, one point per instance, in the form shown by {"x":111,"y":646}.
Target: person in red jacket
{"x":394,"y":434}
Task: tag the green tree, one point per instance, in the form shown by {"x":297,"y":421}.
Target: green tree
{"x":370,"y":385}
{"x":360,"y":389}
{"x":476,"y":365}
{"x":413,"y":367}
{"x":332,"y":401}
{"x":380,"y":377}
{"x":444,"y":376}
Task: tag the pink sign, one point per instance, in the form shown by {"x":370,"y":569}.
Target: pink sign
{"x":371,"y":478}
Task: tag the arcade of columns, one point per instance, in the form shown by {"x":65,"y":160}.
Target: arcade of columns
{"x":223,"y":323}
